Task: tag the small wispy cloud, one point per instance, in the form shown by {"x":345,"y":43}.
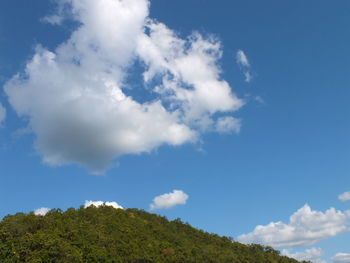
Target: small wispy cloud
{"x":2,"y":113}
{"x":169,"y":200}
{"x":61,"y":13}
{"x":41,"y":211}
{"x":228,"y":125}
{"x":53,"y":19}
{"x":248,"y":76}
{"x":259,"y":99}
{"x":243,"y":61}
{"x":101,"y":203}
{"x":344,"y":196}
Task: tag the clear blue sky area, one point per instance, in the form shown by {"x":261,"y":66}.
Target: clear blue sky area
{"x":292,"y":149}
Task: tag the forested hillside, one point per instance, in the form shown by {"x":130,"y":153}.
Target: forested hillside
{"x":106,"y":234}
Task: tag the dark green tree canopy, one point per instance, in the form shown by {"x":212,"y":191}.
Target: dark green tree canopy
{"x":109,"y":235}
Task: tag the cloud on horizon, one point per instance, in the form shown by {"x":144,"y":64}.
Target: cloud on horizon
{"x":101,"y":203}
{"x":306,"y":227}
{"x":169,"y":200}
{"x":41,"y":211}
{"x":77,"y":99}
{"x":341,"y":258}
{"x":313,"y":255}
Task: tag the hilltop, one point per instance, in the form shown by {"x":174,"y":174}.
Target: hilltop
{"x":105,"y":235}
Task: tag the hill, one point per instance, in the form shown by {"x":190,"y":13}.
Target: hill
{"x":106,"y":235}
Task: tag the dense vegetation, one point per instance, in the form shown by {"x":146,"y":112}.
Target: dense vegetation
{"x":106,"y":234}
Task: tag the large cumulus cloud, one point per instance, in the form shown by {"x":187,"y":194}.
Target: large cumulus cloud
{"x":77,"y":99}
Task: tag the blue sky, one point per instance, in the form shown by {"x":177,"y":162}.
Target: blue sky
{"x":129,"y":108}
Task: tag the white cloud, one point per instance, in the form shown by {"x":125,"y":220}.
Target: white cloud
{"x":306,"y":227}
{"x":248,"y":76}
{"x":53,"y":19}
{"x":166,"y":201}
{"x":344,"y":196}
{"x":259,"y":99}
{"x":77,"y":97}
{"x":228,"y":124}
{"x":100,"y":203}
{"x":41,"y":211}
{"x":2,"y":113}
{"x":61,"y":13}
{"x":312,"y":254}
{"x":242,"y":59}
{"x":183,"y":64}
{"x":341,"y":258}
{"x":243,"y":62}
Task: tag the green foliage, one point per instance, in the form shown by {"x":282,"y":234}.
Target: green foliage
{"x":108,"y":235}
